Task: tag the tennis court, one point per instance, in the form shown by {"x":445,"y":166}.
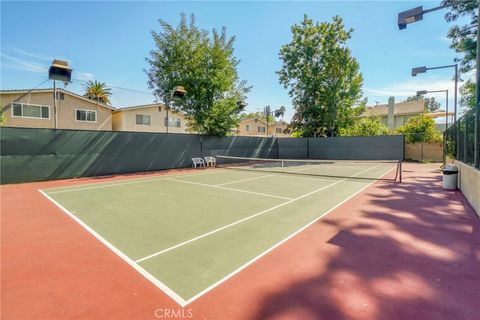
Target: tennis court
{"x":189,"y":232}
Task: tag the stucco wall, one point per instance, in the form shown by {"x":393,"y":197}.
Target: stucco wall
{"x":424,"y":151}
{"x":125,"y":120}
{"x":469,"y":183}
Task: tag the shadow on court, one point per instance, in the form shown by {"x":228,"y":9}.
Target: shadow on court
{"x":408,"y":251}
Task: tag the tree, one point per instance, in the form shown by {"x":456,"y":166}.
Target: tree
{"x":97,"y":91}
{"x":431,"y":105}
{"x":420,"y":129}
{"x":468,"y":95}
{"x":463,"y":37}
{"x":205,"y":65}
{"x":365,"y":127}
{"x":323,"y":78}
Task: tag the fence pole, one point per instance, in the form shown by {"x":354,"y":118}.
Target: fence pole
{"x":477,"y":105}
{"x":421,"y":156}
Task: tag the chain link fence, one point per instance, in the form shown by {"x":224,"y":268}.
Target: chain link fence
{"x":460,"y":140}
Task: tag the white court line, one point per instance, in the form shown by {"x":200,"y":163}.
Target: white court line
{"x":172,"y":294}
{"x":181,"y":244}
{"x":226,"y":188}
{"x":130,"y":181}
{"x":228,"y":276}
{"x":247,"y":179}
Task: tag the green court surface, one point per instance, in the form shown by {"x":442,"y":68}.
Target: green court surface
{"x":189,"y":232}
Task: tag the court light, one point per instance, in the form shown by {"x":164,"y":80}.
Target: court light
{"x":418,"y":70}
{"x":409,"y":16}
{"x":414,"y":15}
{"x":178,"y":93}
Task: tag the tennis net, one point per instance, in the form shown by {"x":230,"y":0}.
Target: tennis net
{"x":352,"y":169}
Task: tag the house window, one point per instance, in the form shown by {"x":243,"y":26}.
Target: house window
{"x":60,"y":96}
{"x":26,"y":110}
{"x":278,"y":130}
{"x":261,"y":129}
{"x":172,"y":122}
{"x":142,"y":119}
{"x":247,"y":127}
{"x":85,"y":115}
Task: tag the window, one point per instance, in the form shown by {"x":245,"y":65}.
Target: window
{"x":25,"y":110}
{"x":60,"y":95}
{"x":278,"y":130}
{"x":172,"y":122}
{"x":142,"y":119}
{"x":247,"y":127}
{"x":261,"y":129}
{"x":86,"y":115}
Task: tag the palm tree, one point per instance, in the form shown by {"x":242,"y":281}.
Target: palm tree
{"x":98,"y":91}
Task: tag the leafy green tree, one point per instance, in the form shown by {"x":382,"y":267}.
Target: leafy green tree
{"x":420,"y":129}
{"x":431,"y":105}
{"x":365,"y":127}
{"x":97,"y":91}
{"x":323,"y":78}
{"x":463,"y":37}
{"x":205,"y":65}
{"x":468,"y":95}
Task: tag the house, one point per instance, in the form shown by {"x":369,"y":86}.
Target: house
{"x":258,"y":127}
{"x":148,"y":118}
{"x":394,"y":115}
{"x":36,"y":109}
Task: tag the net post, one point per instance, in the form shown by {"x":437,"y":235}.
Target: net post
{"x":400,"y":171}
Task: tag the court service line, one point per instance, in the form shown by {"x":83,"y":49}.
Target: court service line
{"x":227,"y":188}
{"x":228,"y":276}
{"x":172,"y":294}
{"x":132,"y":181}
{"x":181,"y":244}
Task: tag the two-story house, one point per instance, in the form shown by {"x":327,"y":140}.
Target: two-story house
{"x":258,"y":127}
{"x":37,"y":109}
{"x":149,"y":118}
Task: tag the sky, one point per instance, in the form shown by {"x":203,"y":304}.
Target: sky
{"x":108,"y":42}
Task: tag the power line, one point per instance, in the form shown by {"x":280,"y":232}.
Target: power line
{"x":116,"y":87}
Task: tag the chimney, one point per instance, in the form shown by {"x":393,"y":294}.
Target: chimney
{"x":391,"y":113}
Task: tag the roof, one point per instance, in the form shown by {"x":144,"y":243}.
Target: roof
{"x":411,"y":107}
{"x":59,"y":90}
{"x":144,"y":106}
{"x":281,"y":122}
{"x":253,"y":119}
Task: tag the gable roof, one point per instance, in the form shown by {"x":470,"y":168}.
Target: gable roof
{"x":22,"y":91}
{"x":411,"y":107}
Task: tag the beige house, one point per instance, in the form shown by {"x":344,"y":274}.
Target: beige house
{"x":36,"y":109}
{"x":148,"y":118}
{"x":258,"y":127}
{"x":395,"y":115}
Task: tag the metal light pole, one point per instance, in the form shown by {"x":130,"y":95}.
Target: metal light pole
{"x":414,"y":15}
{"x":476,"y":146}
{"x":424,"y":69}
{"x":177,"y":94}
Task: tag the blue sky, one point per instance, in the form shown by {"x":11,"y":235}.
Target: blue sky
{"x":109,"y":41}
